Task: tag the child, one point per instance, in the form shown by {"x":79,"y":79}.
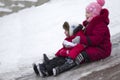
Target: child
{"x":71,"y":41}
{"x":65,"y":55}
{"x":96,"y":35}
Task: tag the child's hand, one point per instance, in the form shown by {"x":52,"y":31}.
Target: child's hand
{"x":68,"y":44}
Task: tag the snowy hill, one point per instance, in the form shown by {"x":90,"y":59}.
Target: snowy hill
{"x":26,"y":35}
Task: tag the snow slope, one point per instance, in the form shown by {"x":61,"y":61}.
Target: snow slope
{"x":26,"y":0}
{"x":26,"y":35}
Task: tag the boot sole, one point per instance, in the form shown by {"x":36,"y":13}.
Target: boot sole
{"x":35,"y":69}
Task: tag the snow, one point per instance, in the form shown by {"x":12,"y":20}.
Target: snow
{"x":19,"y":5}
{"x":26,"y":0}
{"x":2,"y":4}
{"x":26,"y":35}
{"x":5,"y":10}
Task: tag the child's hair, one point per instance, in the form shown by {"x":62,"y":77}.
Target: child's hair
{"x":66,"y":26}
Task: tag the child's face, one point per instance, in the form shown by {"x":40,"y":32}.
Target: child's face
{"x":88,"y":14}
{"x":66,"y":33}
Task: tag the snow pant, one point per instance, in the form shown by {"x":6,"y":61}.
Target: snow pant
{"x":56,"y":61}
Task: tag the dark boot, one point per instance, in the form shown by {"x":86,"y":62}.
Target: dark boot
{"x":56,"y":61}
{"x":66,"y":66}
{"x":42,"y":70}
{"x":45,"y":58}
{"x":35,"y":69}
{"x":45,"y":69}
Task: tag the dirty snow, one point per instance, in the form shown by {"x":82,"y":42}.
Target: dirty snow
{"x":5,"y":9}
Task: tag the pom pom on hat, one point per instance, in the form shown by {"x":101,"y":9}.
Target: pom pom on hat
{"x":95,"y":8}
{"x":101,"y":2}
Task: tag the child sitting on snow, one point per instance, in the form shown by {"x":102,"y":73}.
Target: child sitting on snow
{"x":72,"y":39}
{"x":67,"y":57}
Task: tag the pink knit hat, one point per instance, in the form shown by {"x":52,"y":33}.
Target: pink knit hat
{"x":95,"y":8}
